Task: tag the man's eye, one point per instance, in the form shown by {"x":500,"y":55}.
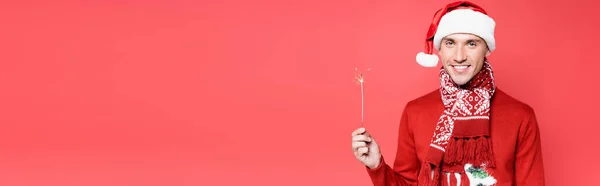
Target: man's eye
{"x":472,"y":44}
{"x":449,"y":43}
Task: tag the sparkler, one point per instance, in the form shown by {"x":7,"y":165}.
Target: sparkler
{"x":360,"y":80}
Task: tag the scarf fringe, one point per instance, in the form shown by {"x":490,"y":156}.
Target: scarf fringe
{"x":453,"y":180}
{"x":477,"y":151}
{"x":425,"y":177}
{"x":445,"y":181}
{"x":464,"y":179}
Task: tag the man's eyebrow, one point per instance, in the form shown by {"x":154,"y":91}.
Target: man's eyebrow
{"x":467,"y":41}
{"x":474,"y":40}
{"x":448,"y":39}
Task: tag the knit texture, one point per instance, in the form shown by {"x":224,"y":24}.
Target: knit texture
{"x":516,"y":145}
{"x":462,"y":133}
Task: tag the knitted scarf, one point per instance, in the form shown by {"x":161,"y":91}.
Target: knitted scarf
{"x":462,"y":134}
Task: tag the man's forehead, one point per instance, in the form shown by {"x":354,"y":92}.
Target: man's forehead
{"x":462,"y":36}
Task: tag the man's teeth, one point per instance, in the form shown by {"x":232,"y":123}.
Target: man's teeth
{"x":461,"y":67}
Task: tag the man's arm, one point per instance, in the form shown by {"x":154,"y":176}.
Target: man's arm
{"x":406,"y":165}
{"x":529,"y":168}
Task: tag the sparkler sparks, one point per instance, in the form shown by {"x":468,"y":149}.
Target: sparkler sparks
{"x":360,"y":79}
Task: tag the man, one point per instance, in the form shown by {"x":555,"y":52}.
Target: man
{"x":468,"y":132}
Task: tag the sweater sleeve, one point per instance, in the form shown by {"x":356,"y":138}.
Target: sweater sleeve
{"x":406,"y":164}
{"x":529,"y":168}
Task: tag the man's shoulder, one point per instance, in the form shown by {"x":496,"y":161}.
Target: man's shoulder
{"x":503,"y":101}
{"x":430,"y":100}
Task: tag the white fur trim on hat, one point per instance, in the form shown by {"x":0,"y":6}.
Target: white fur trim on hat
{"x":427,"y":60}
{"x":466,"y":21}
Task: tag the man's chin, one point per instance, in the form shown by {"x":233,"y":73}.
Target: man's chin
{"x":461,"y":81}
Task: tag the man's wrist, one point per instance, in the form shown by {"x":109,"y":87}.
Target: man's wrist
{"x":376,"y":166}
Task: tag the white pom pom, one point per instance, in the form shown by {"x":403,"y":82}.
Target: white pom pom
{"x":427,"y":60}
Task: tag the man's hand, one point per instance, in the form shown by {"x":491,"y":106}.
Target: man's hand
{"x":365,"y":148}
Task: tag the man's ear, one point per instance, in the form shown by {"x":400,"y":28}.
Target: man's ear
{"x":487,"y":53}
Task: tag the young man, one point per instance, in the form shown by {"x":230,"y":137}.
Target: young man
{"x":468,"y":132}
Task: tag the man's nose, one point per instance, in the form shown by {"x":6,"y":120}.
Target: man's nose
{"x":459,"y":55}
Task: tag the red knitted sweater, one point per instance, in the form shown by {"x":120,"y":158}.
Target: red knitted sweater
{"x":514,"y":132}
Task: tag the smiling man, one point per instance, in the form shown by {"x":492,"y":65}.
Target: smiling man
{"x":467,"y":132}
{"x":463,"y":56}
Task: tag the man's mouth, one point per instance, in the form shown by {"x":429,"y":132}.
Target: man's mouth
{"x":460,"y":68}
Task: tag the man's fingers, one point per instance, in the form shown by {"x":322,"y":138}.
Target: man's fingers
{"x":363,"y":150}
{"x":358,"y":131}
{"x":356,"y":145}
{"x":361,"y":138}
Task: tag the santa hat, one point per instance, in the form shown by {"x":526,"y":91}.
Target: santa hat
{"x":457,"y":17}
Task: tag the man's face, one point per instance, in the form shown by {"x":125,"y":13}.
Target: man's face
{"x":462,"y":56}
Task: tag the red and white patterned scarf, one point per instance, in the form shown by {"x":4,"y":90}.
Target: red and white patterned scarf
{"x":462,"y":134}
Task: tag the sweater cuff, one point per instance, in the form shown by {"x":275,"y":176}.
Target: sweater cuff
{"x":378,"y":170}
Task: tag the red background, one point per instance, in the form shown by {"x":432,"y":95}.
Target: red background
{"x":261,"y":92}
